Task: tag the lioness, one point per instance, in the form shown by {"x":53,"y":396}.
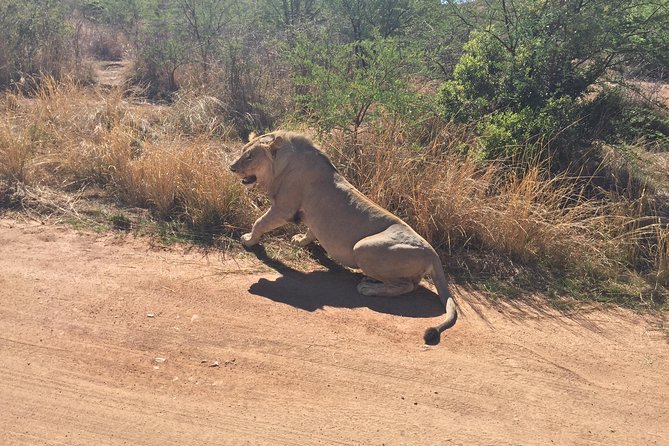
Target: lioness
{"x":303,"y":185}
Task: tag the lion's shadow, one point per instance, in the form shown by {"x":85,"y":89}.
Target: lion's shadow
{"x":336,"y":288}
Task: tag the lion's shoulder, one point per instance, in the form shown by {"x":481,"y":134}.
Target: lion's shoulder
{"x":305,"y":150}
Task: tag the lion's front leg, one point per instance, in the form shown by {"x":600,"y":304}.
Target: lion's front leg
{"x":271,"y":219}
{"x":303,"y":240}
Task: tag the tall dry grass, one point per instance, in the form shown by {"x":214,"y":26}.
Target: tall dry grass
{"x":187,"y":180}
{"x":456,"y":201}
{"x":16,"y":153}
{"x":68,"y":136}
{"x":662,"y":260}
{"x":173,"y":161}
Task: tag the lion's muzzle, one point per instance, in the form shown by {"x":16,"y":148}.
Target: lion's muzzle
{"x":247,"y":181}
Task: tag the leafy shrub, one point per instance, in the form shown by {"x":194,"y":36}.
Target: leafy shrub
{"x":527,"y":69}
{"x":618,"y":117}
{"x":33,"y":40}
{"x":343,"y":86}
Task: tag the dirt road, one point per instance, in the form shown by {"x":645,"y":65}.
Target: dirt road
{"x":105,"y":339}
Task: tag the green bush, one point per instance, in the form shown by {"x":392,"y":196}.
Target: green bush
{"x":33,"y":40}
{"x":344,"y":86}
{"x":527,"y":68}
{"x":615,"y":116}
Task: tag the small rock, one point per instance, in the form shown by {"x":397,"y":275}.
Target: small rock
{"x":159,"y":360}
{"x":150,"y":315}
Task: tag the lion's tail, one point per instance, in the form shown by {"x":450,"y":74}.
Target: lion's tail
{"x":433,"y":334}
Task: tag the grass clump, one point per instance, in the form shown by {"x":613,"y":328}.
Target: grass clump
{"x":604,"y":245}
{"x":72,"y":137}
{"x":513,"y":228}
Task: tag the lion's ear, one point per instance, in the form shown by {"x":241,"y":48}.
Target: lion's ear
{"x":275,"y":144}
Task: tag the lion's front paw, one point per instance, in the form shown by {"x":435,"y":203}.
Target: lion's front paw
{"x":247,"y":240}
{"x":301,"y":240}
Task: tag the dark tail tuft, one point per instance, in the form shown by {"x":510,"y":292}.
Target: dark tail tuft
{"x":432,"y":336}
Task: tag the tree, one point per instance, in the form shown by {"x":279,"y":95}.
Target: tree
{"x":551,"y":49}
{"x":124,"y":15}
{"x":341,"y":86}
{"x":362,"y":19}
{"x":161,"y":49}
{"x":528,"y":60}
{"x":204,"y":22}
{"x":33,"y":39}
{"x":292,"y":14}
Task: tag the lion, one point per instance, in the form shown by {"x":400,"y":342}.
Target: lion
{"x":304,"y":186}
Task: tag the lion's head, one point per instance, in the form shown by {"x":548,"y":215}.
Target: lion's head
{"x":255,"y":166}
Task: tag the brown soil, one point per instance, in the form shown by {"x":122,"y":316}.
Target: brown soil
{"x":108,"y":339}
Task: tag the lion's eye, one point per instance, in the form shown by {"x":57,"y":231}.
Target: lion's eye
{"x":249,"y":156}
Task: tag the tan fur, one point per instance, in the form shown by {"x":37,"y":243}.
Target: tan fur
{"x":302,"y":184}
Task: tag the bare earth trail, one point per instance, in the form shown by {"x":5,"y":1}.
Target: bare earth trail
{"x":105,"y":339}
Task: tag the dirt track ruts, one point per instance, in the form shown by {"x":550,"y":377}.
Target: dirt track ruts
{"x":106,"y":339}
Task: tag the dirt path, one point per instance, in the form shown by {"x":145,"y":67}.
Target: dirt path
{"x":105,"y":339}
{"x":111,"y":73}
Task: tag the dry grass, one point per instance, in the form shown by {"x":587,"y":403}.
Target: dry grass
{"x":188,"y":180}
{"x":662,"y":260}
{"x":16,"y":153}
{"x":173,"y":161}
{"x":68,"y":136}
{"x":454,"y":200}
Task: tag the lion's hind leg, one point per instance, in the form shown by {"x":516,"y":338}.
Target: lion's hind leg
{"x":377,"y":288}
{"x":395,"y":260}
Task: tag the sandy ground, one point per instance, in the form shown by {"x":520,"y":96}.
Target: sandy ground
{"x":108,"y":339}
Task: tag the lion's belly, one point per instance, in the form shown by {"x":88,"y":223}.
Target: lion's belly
{"x":340,"y":216}
{"x":342,"y":255}
{"x":338,"y":237}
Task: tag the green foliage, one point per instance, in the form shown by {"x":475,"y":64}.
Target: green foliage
{"x":203,"y":23}
{"x":343,"y":86}
{"x":291,"y":15}
{"x":363,"y":19}
{"x":160,"y":52}
{"x":522,"y":134}
{"x":33,"y":40}
{"x":125,"y":15}
{"x":616,"y":116}
{"x":528,"y":65}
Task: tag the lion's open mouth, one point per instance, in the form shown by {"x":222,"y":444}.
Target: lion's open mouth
{"x":247,"y":181}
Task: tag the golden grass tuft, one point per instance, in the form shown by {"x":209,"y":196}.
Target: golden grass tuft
{"x":173,"y":161}
{"x":662,"y":260}
{"x":197,"y":114}
{"x":455,"y":201}
{"x":16,"y":153}
{"x":69,"y":136}
{"x":187,"y":180}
